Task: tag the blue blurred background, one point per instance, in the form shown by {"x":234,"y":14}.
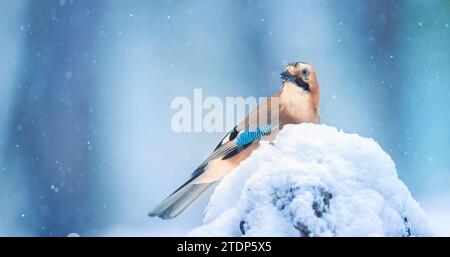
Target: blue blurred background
{"x":85,"y":90}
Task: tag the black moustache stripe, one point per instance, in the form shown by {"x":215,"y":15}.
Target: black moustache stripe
{"x":299,"y":82}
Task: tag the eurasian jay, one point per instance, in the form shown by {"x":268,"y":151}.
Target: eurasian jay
{"x":297,"y":102}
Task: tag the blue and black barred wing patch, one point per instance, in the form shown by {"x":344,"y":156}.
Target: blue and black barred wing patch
{"x":251,"y":136}
{"x":246,"y":138}
{"x":233,"y":143}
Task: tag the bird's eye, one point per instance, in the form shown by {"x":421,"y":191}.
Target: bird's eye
{"x":305,"y":72}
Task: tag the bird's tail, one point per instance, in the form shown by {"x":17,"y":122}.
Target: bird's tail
{"x":179,"y":200}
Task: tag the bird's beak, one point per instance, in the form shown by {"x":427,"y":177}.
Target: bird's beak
{"x":286,"y":76}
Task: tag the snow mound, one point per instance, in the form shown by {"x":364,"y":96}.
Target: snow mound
{"x":314,"y":181}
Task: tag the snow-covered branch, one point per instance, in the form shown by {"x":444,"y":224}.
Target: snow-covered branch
{"x":314,"y":181}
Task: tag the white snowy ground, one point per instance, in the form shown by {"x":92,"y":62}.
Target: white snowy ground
{"x":314,"y":181}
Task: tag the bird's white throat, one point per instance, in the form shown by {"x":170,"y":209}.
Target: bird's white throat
{"x":298,"y":103}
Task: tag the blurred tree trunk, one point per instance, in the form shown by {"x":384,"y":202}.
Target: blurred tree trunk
{"x":250,"y":21}
{"x":51,"y":137}
{"x":10,"y":48}
{"x":370,"y":28}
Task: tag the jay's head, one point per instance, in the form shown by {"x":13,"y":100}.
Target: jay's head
{"x":302,"y":75}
